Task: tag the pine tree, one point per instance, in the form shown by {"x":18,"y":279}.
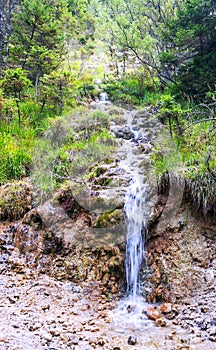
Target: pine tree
{"x":37,"y":42}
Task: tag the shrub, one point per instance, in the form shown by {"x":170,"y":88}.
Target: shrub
{"x":15,"y":199}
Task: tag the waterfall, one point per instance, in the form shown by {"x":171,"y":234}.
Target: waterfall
{"x":103,"y":97}
{"x":135,"y":213}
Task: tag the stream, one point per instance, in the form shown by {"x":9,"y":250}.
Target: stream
{"x":42,"y":307}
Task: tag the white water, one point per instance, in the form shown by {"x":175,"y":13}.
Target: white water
{"x":136,"y":227}
{"x":135,"y":209}
{"x":103,"y":97}
{"x":130,"y":314}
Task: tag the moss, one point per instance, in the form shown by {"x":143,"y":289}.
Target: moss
{"x":108,"y":161}
{"x":100,"y":171}
{"x":15,"y":199}
{"x":109,"y":219}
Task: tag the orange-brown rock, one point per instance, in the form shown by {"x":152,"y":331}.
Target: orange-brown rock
{"x":166,"y":308}
{"x":152,"y":313}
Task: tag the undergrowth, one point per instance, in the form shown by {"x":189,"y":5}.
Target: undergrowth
{"x":193,"y":132}
{"x":69,"y":149}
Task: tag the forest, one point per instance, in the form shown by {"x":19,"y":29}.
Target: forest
{"x":161,"y":53}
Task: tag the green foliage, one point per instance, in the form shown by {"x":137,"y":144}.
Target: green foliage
{"x":190,"y":47}
{"x":84,"y":86}
{"x":199,"y":153}
{"x":131,"y":90}
{"x":14,"y":82}
{"x":37,"y":41}
{"x":194,"y":158}
{"x":69,"y":149}
{"x":53,"y":90}
{"x":132,"y":30}
{"x":16,"y":155}
{"x":171,"y":113}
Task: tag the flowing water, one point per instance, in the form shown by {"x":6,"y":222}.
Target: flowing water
{"x":136,"y":225}
{"x":130,"y":312}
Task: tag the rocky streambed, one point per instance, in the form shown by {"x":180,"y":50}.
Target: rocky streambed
{"x":39,"y":312}
{"x":62,"y":264}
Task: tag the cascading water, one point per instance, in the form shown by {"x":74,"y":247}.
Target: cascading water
{"x":103,"y":97}
{"x":130,"y":312}
{"x":134,"y":209}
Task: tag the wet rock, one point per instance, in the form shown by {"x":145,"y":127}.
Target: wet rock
{"x":123,"y":132}
{"x":55,"y":331}
{"x":166,"y":308}
{"x":132,"y":340}
{"x":45,"y":306}
{"x":100,"y":342}
{"x":153,"y":314}
{"x":131,"y":308}
{"x":160,"y":322}
{"x":94,"y":329}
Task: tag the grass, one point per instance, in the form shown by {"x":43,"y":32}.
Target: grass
{"x":194,"y":160}
{"x":69,"y":149}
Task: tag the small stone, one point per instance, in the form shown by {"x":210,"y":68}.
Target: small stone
{"x":166,"y":308}
{"x":131,"y":308}
{"x":46,"y":336}
{"x":95,"y":329}
{"x":35,"y":326}
{"x":205,"y":309}
{"x":160,"y":322}
{"x":55,"y":331}
{"x":91,"y":322}
{"x":212,"y":331}
{"x":152,"y":313}
{"x":132,"y":340}
{"x":15,"y":325}
{"x":3,"y":338}
{"x":114,"y":290}
{"x":175,"y":322}
{"x":100,"y":341}
{"x":169,"y":336}
{"x":74,"y":341}
{"x":212,"y":338}
{"x":45,"y":307}
{"x":92,"y":343}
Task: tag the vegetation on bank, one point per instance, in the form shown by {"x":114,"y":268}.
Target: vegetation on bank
{"x":161,"y":53}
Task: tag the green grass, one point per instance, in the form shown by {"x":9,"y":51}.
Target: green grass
{"x":70,"y":153}
{"x":16,"y":154}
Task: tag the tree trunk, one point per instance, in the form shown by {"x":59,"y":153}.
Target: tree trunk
{"x":7,"y":8}
{"x":36,"y":87}
{"x":60,"y":99}
{"x":18,"y":110}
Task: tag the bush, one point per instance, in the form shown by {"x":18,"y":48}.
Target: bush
{"x":15,"y":200}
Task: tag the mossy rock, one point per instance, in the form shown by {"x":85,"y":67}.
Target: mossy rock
{"x":15,"y":199}
{"x":109,"y":219}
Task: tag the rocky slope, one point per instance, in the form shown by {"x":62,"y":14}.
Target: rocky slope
{"x":62,"y":265}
